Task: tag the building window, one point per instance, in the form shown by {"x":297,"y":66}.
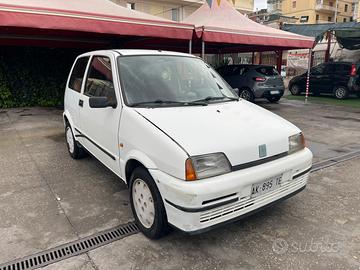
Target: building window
{"x":346,"y":8}
{"x":331,"y":4}
{"x":344,"y":20}
{"x":175,"y":14}
{"x":130,"y":5}
{"x":351,"y":19}
{"x":329,"y":19}
{"x":304,"y":19}
{"x":317,"y":17}
{"x":294,"y":4}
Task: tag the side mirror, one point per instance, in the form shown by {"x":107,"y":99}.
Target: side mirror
{"x":101,"y":102}
{"x":237,"y":91}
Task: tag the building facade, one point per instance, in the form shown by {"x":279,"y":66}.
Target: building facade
{"x":177,"y":10}
{"x":320,"y":11}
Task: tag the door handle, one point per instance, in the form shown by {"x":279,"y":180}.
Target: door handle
{"x":81,"y":102}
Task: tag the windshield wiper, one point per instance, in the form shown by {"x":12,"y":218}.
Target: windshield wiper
{"x":210,"y":98}
{"x":160,"y":101}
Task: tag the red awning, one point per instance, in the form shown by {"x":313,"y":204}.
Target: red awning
{"x":85,"y":16}
{"x":224,"y":24}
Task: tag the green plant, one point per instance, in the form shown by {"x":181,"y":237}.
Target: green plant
{"x":34,"y":76}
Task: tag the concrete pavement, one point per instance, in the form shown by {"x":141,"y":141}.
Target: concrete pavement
{"x":47,"y":199}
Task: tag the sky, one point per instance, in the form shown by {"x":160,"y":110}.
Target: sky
{"x":259,"y":4}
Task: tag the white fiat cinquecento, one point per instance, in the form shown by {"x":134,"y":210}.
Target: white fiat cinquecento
{"x":193,"y":154}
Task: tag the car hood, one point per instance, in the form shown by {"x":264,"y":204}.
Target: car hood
{"x":237,"y":129}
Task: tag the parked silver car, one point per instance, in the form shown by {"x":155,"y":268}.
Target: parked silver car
{"x":254,"y":81}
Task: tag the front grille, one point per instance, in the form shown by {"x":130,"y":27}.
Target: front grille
{"x":242,"y":204}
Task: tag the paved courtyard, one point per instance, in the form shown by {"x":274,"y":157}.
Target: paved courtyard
{"x":48,"y":199}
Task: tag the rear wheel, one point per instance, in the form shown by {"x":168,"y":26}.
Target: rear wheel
{"x":273,"y":99}
{"x":147,"y":205}
{"x":295,"y":90}
{"x":247,"y":94}
{"x":341,"y":92}
{"x":75,"y":151}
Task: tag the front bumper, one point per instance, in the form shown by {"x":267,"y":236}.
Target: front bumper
{"x":199,"y":205}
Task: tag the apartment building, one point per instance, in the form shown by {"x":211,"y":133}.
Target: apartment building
{"x":178,"y":10}
{"x":320,"y":11}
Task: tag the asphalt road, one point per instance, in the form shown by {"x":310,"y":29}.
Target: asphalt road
{"x":47,"y":199}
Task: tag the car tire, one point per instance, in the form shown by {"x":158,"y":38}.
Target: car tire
{"x":147,"y":204}
{"x":341,"y":92}
{"x":295,"y":90}
{"x":247,"y":94}
{"x":273,"y":99}
{"x":75,"y":151}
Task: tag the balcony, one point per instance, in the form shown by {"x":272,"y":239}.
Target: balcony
{"x":321,"y":7}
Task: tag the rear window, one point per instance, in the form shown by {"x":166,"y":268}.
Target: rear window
{"x":77,"y":74}
{"x":267,"y":71}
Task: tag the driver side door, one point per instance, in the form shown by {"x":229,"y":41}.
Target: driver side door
{"x":98,"y":131}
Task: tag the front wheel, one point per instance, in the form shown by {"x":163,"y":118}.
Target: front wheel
{"x":273,"y":99}
{"x":75,"y":151}
{"x":147,"y":205}
{"x":295,"y":90}
{"x":341,"y":92}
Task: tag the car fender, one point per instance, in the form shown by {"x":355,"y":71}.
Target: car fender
{"x":66,"y":114}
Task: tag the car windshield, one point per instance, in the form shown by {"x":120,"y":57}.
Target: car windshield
{"x":153,"y":80}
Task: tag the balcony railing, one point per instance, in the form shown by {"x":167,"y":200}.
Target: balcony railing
{"x":320,"y":6}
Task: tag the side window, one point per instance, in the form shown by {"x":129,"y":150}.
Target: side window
{"x":318,"y":70}
{"x":78,"y":73}
{"x":243,"y":71}
{"x":99,"y":82}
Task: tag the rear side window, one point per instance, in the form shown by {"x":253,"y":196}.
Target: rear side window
{"x":77,"y":74}
{"x":99,"y":82}
{"x":267,"y":71}
{"x":232,"y":70}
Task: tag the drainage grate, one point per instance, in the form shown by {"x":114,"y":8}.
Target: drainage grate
{"x":68,"y":250}
{"x":335,"y":160}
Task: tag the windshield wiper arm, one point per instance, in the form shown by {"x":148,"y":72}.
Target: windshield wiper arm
{"x":210,"y":98}
{"x":160,"y":101}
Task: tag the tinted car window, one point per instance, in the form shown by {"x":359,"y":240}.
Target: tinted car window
{"x":77,"y":74}
{"x":320,"y":69}
{"x":267,"y":71}
{"x":100,"y":82}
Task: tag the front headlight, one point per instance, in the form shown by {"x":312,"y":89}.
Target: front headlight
{"x":296,"y":143}
{"x":204,"y":166}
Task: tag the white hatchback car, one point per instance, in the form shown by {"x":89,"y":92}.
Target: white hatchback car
{"x":193,"y":154}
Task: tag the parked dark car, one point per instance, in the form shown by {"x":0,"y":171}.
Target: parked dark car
{"x":338,"y":78}
{"x":254,"y":81}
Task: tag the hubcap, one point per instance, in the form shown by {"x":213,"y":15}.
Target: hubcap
{"x":295,"y":89}
{"x":143,"y":203}
{"x":245,"y":95}
{"x":340,"y":92}
{"x":70,"y":140}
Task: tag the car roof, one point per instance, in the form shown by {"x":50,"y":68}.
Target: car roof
{"x":130,"y":52}
{"x":246,"y":65}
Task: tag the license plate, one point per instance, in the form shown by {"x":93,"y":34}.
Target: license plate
{"x":266,"y":186}
{"x":275,"y":92}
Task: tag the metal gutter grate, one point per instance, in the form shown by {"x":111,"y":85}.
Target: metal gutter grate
{"x":71,"y":249}
{"x":335,"y":160}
